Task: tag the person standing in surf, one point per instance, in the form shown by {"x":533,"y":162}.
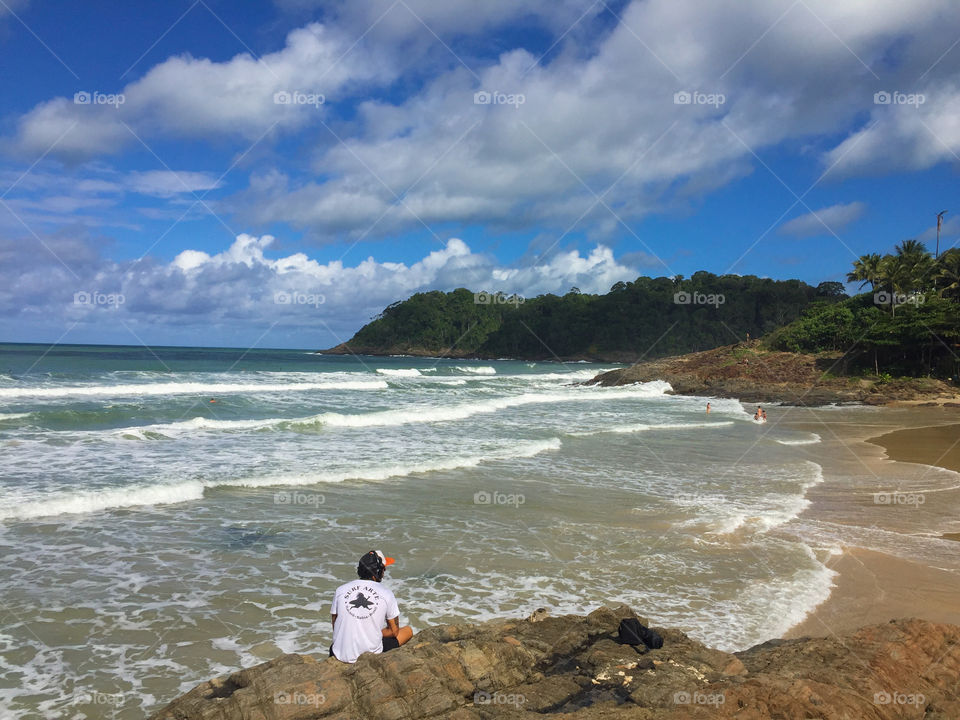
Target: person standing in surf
{"x":365,"y":614}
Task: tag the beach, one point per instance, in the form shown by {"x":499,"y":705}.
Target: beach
{"x":903,"y":566}
{"x":193,"y":537}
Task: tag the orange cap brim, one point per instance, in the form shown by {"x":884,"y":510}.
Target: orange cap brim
{"x":388,"y":560}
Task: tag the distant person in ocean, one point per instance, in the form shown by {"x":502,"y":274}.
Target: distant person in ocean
{"x":364,"y":613}
{"x":708,"y":408}
{"x":758,"y":415}
{"x":763,"y":415}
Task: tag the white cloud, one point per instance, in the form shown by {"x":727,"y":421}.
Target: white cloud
{"x":903,"y":136}
{"x":236,"y":289}
{"x":825,"y":221}
{"x":195,"y":97}
{"x":166,"y":183}
{"x":599,"y":117}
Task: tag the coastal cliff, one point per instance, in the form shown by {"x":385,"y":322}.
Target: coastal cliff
{"x":572,"y":667}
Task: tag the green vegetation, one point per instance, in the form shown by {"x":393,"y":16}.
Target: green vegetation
{"x":650,"y":317}
{"x":908,"y":325}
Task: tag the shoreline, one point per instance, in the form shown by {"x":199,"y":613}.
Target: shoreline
{"x":873,"y":586}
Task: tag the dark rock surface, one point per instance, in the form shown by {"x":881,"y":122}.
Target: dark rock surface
{"x":571,"y":667}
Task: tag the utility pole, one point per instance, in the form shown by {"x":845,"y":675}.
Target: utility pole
{"x":939,"y":225}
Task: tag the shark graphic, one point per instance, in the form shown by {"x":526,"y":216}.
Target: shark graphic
{"x":360,"y":601}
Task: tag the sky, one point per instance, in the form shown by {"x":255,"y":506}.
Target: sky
{"x":273,"y":174}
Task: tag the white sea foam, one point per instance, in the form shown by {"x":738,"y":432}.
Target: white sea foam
{"x":13,"y":416}
{"x":399,"y":372}
{"x":477,"y":370}
{"x":384,"y":472}
{"x":643,"y":427}
{"x":408,"y":415}
{"x":726,"y":515}
{"x":185,"y":388}
{"x":88,"y":501}
{"x":813,"y":440}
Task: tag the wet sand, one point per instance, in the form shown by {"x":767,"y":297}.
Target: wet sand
{"x":873,"y":587}
{"x":938,"y":445}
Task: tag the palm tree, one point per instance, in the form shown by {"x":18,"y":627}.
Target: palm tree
{"x":948,"y":273}
{"x":866,"y":269}
{"x":919,"y":263}
{"x":897,"y":278}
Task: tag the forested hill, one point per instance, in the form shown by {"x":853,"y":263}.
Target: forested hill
{"x":649,"y":317}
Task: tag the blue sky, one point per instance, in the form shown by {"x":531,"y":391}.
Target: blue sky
{"x":187,"y":203}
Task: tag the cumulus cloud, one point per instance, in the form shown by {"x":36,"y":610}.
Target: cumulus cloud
{"x":824,"y":221}
{"x":603,"y":120}
{"x":195,"y":97}
{"x":242,"y":289}
{"x":603,"y":135}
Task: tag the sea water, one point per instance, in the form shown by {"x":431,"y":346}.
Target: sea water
{"x":169,"y":515}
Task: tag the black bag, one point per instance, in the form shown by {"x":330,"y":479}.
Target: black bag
{"x":633,"y":632}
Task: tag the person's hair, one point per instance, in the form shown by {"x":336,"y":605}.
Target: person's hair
{"x":371,"y":567}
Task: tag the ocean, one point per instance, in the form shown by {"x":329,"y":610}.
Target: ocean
{"x":171,"y":514}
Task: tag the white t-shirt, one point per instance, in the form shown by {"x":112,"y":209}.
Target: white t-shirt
{"x":362,"y":608}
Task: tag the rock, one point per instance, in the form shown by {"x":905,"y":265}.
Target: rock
{"x":572,"y":667}
{"x":753,"y":374}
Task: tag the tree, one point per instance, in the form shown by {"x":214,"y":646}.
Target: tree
{"x":948,"y":274}
{"x":831,"y":289}
{"x":866,"y":270}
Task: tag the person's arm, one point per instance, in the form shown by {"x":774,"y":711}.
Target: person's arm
{"x":333,"y":620}
{"x":393,"y":627}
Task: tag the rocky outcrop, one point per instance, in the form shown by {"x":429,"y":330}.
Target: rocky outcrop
{"x":572,"y":667}
{"x":748,"y":372}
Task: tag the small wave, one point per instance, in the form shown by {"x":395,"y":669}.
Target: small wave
{"x":95,"y":500}
{"x":406,"y":416}
{"x":477,"y":370}
{"x":385,"y":472}
{"x":185,"y":388}
{"x":399,"y":372}
{"x":643,"y":427}
{"x":13,"y":416}
{"x":145,"y":495}
{"x":805,"y":441}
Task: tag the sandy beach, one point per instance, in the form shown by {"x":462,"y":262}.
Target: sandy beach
{"x":874,"y":585}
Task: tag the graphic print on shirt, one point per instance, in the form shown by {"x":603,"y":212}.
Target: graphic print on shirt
{"x":360,"y":606}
